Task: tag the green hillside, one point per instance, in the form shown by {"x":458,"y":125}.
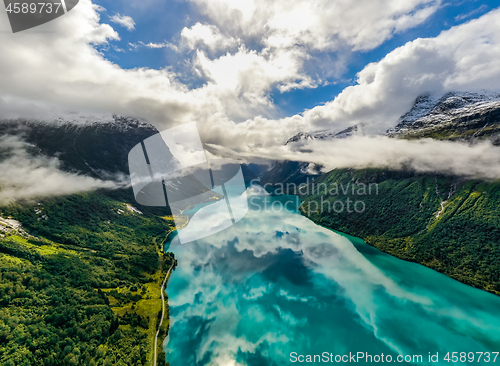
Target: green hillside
{"x":80,"y":280}
{"x":450,"y":225}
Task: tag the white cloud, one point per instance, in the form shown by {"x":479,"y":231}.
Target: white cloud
{"x":267,"y":32}
{"x":471,"y":13}
{"x":153,"y":45}
{"x":237,"y":84}
{"x":318,"y":24}
{"x":243,"y":79}
{"x":159,"y":45}
{"x":209,"y":36}
{"x":123,"y":20}
{"x":26,"y":177}
{"x":76,"y":77}
{"x":480,"y":160}
{"x":462,"y":58}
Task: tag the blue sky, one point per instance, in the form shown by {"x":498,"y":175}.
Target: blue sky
{"x":162,"y":21}
{"x":252,"y":72}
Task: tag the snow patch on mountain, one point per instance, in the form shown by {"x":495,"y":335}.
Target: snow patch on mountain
{"x":79,"y":121}
{"x":464,"y":115}
{"x":454,"y":108}
{"x":324,"y":134}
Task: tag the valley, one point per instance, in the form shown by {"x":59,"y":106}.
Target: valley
{"x":448,"y":223}
{"x":81,"y":283}
{"x":82,"y":274}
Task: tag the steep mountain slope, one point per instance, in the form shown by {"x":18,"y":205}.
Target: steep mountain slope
{"x":324,"y":134}
{"x":80,"y":282}
{"x":94,"y":147}
{"x":446,"y":223}
{"x":81,"y":274}
{"x":455,"y":116}
{"x":287,"y":172}
{"x":295,"y":173}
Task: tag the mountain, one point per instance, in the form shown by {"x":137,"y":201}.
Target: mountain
{"x":296,"y":173}
{"x":324,"y":134}
{"x":97,"y":147}
{"x":80,"y":275}
{"x":288,"y":172}
{"x":463,"y":116}
{"x":444,"y":222}
{"x":80,"y":279}
{"x":454,"y":116}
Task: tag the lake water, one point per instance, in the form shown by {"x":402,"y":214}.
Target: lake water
{"x":275,"y":286}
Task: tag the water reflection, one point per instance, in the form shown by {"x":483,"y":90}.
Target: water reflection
{"x":276,"y":283}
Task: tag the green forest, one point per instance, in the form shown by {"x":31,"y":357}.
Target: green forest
{"x":80,"y":281}
{"x":449,"y":224}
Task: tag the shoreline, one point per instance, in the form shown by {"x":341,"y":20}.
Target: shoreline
{"x":372,"y":242}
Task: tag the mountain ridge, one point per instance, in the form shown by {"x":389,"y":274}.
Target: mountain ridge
{"x":455,"y":116}
{"x":97,"y":148}
{"x":447,"y":223}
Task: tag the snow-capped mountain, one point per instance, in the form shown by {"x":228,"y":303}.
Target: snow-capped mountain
{"x":81,"y":121}
{"x":97,"y":147}
{"x":324,"y":134}
{"x":454,"y":116}
{"x":469,"y":116}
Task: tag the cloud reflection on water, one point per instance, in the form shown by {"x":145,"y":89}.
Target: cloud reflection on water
{"x":276,"y":283}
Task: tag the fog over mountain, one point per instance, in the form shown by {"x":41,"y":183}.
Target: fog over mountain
{"x":231,"y":92}
{"x":231,"y":101}
{"x":26,"y":177}
{"x":61,"y":157}
{"x":457,"y":134}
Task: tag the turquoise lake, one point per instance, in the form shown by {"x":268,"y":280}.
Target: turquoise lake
{"x":276,"y":284}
